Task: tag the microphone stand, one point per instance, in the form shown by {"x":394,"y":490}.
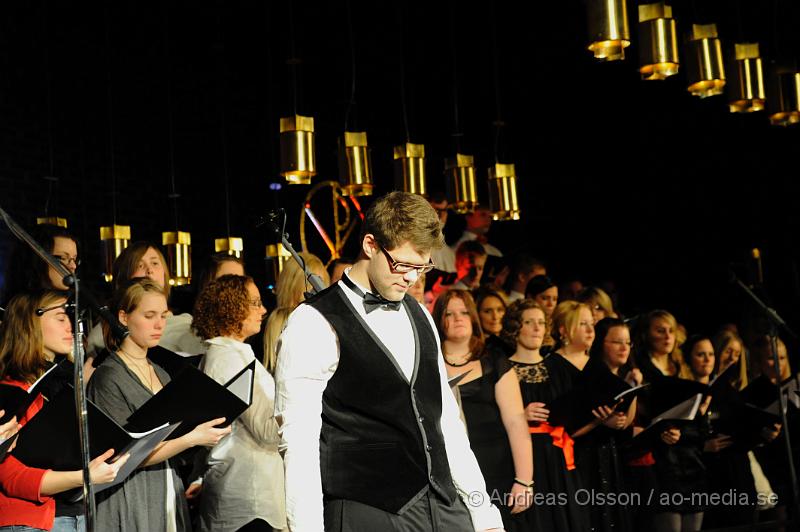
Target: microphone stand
{"x":776,"y":322}
{"x":71,"y":280}
{"x":313,"y":279}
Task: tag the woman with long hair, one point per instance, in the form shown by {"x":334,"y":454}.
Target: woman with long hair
{"x":152,"y":497}
{"x":492,"y":405}
{"x":290,"y":291}
{"x":524,"y":327}
{"x":243,"y":482}
{"x":36,"y":330}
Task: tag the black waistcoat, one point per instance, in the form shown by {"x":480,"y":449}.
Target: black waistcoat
{"x":381,"y":443}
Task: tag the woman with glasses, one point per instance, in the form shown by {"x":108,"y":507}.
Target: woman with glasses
{"x":27,"y":272}
{"x":599,"y":302}
{"x":243,"y":485}
{"x":492,"y":405}
{"x":524,"y":326}
{"x":596,"y":454}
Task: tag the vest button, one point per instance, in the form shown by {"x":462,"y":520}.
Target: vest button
{"x":429,"y":447}
{"x":432,"y":479}
{"x":421,"y":419}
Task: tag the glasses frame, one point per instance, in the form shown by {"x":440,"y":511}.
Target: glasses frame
{"x":68,"y":260}
{"x":405,"y":267}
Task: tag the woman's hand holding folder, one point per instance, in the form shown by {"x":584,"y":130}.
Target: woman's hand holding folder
{"x":206,"y":434}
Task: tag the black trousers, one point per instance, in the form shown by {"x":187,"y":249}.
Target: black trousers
{"x":429,"y":513}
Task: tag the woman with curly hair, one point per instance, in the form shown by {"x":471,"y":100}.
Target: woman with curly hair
{"x":152,"y":497}
{"x":243,"y":483}
{"x":524,"y":326}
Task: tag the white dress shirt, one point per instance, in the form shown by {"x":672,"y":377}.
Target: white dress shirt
{"x":308,"y":355}
{"x":444,"y":258}
{"x":514,"y":296}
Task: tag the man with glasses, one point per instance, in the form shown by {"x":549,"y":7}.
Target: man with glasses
{"x":369,"y":426}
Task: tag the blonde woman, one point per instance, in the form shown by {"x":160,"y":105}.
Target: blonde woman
{"x":290,"y":290}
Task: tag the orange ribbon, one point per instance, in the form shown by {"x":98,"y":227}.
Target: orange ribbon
{"x":561,"y":439}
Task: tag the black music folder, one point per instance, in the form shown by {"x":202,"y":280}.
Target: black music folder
{"x":193,"y":398}
{"x":597,"y":387}
{"x":50,"y":440}
{"x":172,"y":362}
{"x":16,"y":401}
{"x":674,"y":417}
{"x":763,"y":394}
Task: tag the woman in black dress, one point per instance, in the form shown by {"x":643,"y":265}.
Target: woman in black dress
{"x":492,"y":405}
{"x":555,"y":507}
{"x":597,"y":453}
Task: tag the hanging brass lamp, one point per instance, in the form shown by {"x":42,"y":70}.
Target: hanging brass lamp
{"x":706,"y":71}
{"x":355,"y":164}
{"x":503,"y":192}
{"x":747,"y":85}
{"x":785,"y":105}
{"x":51,"y":220}
{"x":298,"y":161}
{"x":230,"y":245}
{"x":658,"y":42}
{"x":607,"y":21}
{"x":179,"y":256}
{"x":461,"y":183}
{"x":409,"y":168}
{"x":113,"y":240}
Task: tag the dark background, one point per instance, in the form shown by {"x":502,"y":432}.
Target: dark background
{"x":620,"y":179}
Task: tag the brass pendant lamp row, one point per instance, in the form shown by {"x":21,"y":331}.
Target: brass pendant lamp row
{"x":609,"y":35}
{"x":298,"y":166}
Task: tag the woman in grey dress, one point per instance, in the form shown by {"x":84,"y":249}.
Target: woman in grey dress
{"x":152,"y":497}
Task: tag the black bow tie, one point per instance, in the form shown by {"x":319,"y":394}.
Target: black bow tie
{"x":371,"y":301}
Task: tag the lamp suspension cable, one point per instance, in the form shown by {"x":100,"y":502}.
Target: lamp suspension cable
{"x":110,"y":107}
{"x":351,"y":105}
{"x":50,"y":177}
{"x":173,"y":195}
{"x":223,"y":116}
{"x":402,"y":43}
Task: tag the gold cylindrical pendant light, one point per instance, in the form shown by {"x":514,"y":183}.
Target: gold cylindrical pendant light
{"x":231,"y":245}
{"x":52,"y":220}
{"x":460,"y":181}
{"x":179,"y":256}
{"x":298,"y":162}
{"x":503,"y":192}
{"x":355,"y":164}
{"x":113,"y":240}
{"x":658,"y":42}
{"x":706,"y":71}
{"x":747,"y":84}
{"x":609,"y":35}
{"x":409,"y":168}
{"x":279,"y":255}
{"x":784,"y":107}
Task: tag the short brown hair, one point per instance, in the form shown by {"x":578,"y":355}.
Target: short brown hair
{"x":477,"y":342}
{"x":401,"y":217}
{"x":222,"y":306}
{"x":512,"y":319}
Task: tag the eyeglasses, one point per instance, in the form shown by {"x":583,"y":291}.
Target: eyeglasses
{"x":620,"y":342}
{"x":66,"y":260}
{"x":255,"y":303}
{"x":404,"y":267}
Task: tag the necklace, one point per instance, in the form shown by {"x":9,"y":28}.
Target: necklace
{"x":147,"y":380}
{"x":457,"y":365}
